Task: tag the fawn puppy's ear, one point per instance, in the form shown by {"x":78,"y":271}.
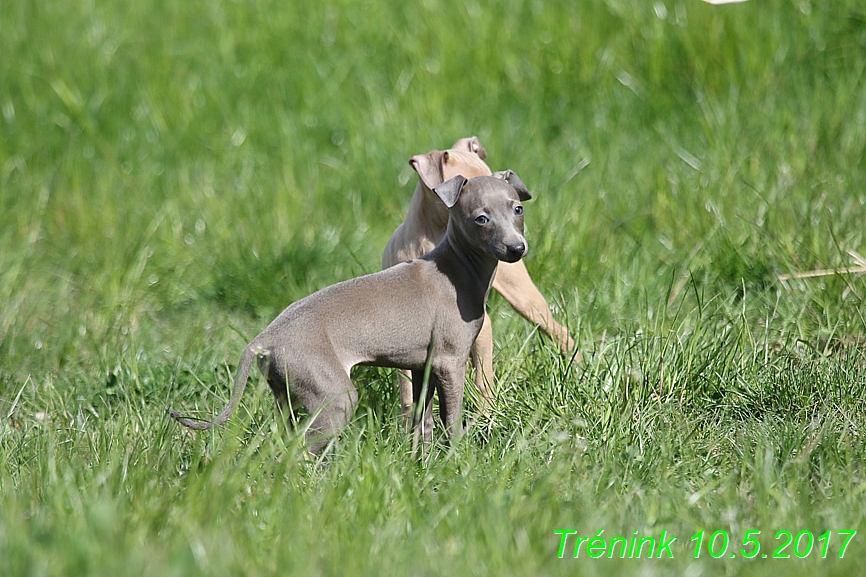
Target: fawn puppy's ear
{"x":514,"y":180}
{"x":449,"y":190}
{"x":429,"y":167}
{"x":471,"y":144}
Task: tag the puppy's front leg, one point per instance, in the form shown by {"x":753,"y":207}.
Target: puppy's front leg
{"x":512,"y":281}
{"x":449,"y":385}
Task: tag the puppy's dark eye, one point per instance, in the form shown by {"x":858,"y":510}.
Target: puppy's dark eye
{"x":518,"y":210}
{"x":481,"y":219}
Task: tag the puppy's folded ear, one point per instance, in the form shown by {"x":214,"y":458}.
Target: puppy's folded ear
{"x":514,"y":180}
{"x":429,"y":167}
{"x":471,"y":144}
{"x":449,"y":191}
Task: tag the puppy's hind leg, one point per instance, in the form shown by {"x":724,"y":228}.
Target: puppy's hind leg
{"x":330,"y":399}
{"x":421,"y":411}
{"x":277,"y":381}
{"x":482,"y":362}
{"x":406,"y":400}
{"x":286,"y":410}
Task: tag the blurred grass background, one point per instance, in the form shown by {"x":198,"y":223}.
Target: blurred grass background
{"x":172,"y":175}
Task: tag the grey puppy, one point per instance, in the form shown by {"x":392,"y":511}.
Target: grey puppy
{"x":423,"y":312}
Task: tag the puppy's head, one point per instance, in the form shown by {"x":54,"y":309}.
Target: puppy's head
{"x":465,"y":158}
{"x":471,"y":144}
{"x":486,"y":213}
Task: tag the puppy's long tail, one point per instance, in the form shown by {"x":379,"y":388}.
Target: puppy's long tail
{"x":243,"y":374}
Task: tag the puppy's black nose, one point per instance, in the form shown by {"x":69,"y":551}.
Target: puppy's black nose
{"x":516,"y":251}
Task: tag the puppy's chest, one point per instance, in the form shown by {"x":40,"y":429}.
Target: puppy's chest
{"x":454,"y":334}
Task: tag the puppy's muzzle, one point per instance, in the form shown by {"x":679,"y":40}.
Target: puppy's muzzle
{"x":515,"y":252}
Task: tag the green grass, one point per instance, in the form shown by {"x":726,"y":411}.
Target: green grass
{"x":172,"y":175}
